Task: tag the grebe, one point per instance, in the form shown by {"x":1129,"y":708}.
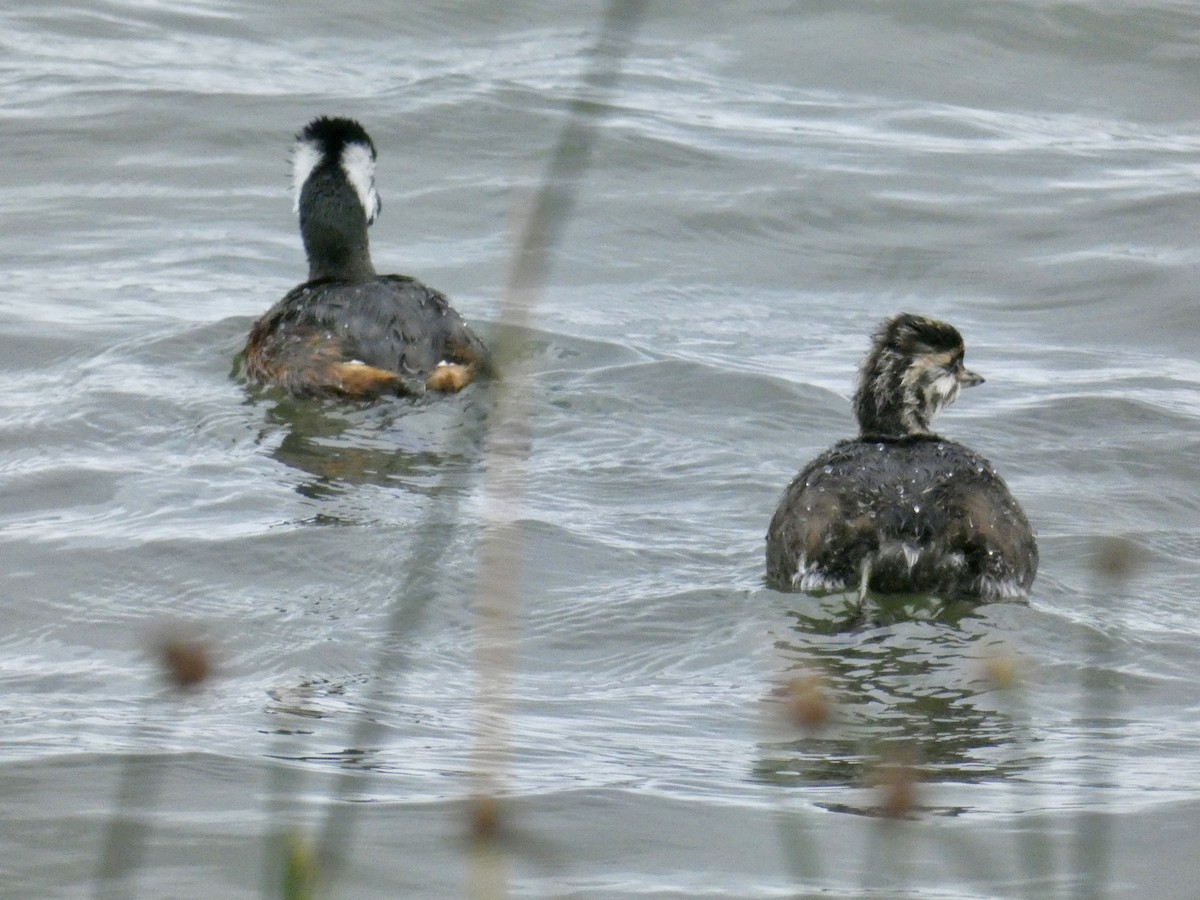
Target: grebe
{"x":899,"y":510}
{"x":348,"y":330}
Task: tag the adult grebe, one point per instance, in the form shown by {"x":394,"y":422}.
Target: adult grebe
{"x":898,"y":509}
{"x":348,"y":330}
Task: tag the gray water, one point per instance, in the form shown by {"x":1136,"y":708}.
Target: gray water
{"x":772,"y":179}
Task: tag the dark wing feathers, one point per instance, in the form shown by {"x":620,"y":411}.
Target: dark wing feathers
{"x":867,"y":500}
{"x":393,"y":323}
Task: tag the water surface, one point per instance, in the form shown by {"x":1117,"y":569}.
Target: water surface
{"x":771,"y":181}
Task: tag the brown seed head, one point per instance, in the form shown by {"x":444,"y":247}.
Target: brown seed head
{"x":1002,"y":669}
{"x":485,"y":817}
{"x":896,"y":782}
{"x":807,"y":700}
{"x":185,"y":663}
{"x":1116,"y":558}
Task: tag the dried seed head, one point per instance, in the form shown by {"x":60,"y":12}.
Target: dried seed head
{"x":485,"y":817}
{"x":1002,"y":669}
{"x":1116,"y":558}
{"x":185,"y":663}
{"x":807,"y":699}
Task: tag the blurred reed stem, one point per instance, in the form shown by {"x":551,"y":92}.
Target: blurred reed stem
{"x":510,"y":424}
{"x":185,"y":664}
{"x":1114,"y":562}
{"x":123,"y":845}
{"x":506,"y":437}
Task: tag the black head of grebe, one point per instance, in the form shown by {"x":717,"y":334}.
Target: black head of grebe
{"x":914,"y":370}
{"x":333,"y":176}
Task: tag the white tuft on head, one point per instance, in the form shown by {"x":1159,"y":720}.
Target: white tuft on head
{"x":358,"y":162}
{"x":305,"y":158}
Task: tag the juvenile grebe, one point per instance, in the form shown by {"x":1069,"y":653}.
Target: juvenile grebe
{"x":899,"y":509}
{"x":348,"y":330}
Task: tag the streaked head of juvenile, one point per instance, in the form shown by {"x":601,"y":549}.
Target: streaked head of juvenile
{"x":336,"y":148}
{"x":913,"y":370}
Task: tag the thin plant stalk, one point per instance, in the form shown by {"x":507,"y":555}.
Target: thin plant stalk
{"x":510,"y":425}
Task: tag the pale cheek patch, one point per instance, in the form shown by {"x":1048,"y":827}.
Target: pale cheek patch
{"x":943,"y":390}
{"x":359,"y":166}
{"x":928,"y":389}
{"x":916,"y":376}
{"x":305,"y":158}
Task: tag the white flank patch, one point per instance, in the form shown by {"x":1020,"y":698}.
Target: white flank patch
{"x":812,"y":580}
{"x":304,"y":159}
{"x":359,"y":166}
{"x":1006,"y":589}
